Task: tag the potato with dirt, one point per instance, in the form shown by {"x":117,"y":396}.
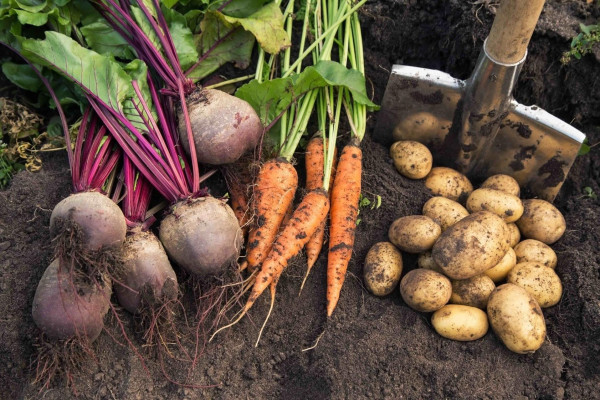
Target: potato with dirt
{"x":507,"y":206}
{"x":516,"y":318}
{"x":539,"y":281}
{"x":531,"y":250}
{"x":444,"y":212}
{"x":472,"y":246}
{"x":541,"y":221}
{"x":515,"y":234}
{"x":473,"y":292}
{"x":425,"y":290}
{"x":500,"y":271}
{"x":460,"y":322}
{"x":425,"y":260}
{"x":449,"y":183}
{"x":414,"y":233}
{"x":412,"y":159}
{"x":383,"y":268}
{"x":504,"y":183}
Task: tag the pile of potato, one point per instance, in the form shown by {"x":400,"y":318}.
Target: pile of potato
{"x":469,"y":241}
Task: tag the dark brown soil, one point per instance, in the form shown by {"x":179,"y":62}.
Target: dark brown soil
{"x":372,"y":347}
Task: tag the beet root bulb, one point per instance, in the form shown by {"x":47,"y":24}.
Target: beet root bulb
{"x":224,"y":127}
{"x":64,"y":307}
{"x":100,"y":221}
{"x":147,"y":275}
{"x":202,"y":235}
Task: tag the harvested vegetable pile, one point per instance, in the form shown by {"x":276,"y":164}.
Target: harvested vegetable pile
{"x":372,"y":347}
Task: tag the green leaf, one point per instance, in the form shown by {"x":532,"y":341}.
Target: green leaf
{"x":242,"y":8}
{"x":182,"y":38}
{"x":219,"y":43}
{"x":32,"y":6}
{"x":266,"y":25}
{"x":103,"y":39}
{"x":169,"y":3}
{"x":22,"y":75}
{"x":271,"y":97}
{"x":95,"y":73}
{"x":144,"y":24}
{"x":138,"y":71}
{"x":584,"y":149}
{"x":584,"y":28}
{"x":29,"y":18}
{"x":54,"y":128}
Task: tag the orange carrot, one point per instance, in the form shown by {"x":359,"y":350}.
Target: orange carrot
{"x":314,"y":162}
{"x":303,"y":224}
{"x":344,"y":211}
{"x":274,"y":192}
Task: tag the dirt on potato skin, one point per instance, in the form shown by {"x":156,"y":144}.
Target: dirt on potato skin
{"x":372,"y":347}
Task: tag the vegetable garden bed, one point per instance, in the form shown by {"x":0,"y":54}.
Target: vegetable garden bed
{"x":372,"y":347}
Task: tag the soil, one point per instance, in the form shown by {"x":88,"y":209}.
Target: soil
{"x":372,"y":347}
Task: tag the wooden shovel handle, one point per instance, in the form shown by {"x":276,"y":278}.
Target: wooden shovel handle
{"x":512,"y":29}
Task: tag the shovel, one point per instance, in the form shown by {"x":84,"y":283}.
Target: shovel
{"x":475,"y":126}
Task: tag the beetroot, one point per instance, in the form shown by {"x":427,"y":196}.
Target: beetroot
{"x":202,"y":235}
{"x":224,"y":127}
{"x":65,"y":307}
{"x":147,"y":274}
{"x":98,"y":218}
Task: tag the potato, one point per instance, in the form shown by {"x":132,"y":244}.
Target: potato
{"x":504,"y":183}
{"x":472,"y":292}
{"x":515,"y":234}
{"x":516,"y":318}
{"x":412,"y":159}
{"x":458,"y":322}
{"x":541,"y":221}
{"x":414,"y":234}
{"x":426,"y":261}
{"x":425,"y":290}
{"x":505,"y":205}
{"x":383,"y":267}
{"x":540,"y":281}
{"x":444,"y":212}
{"x":422,"y":126}
{"x":472,"y":245}
{"x":500,"y":271}
{"x":449,"y":183}
{"x":531,"y":250}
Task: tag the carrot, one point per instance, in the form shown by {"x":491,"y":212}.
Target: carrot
{"x":303,"y":224}
{"x":344,"y":211}
{"x":274,"y":192}
{"x":314,"y":163}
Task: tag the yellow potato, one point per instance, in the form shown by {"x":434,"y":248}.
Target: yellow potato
{"x":472,"y":245}
{"x":426,"y":261}
{"x":425,"y":290}
{"x":412,"y":159}
{"x":504,"y":183}
{"x":540,"y":281}
{"x":531,"y":250}
{"x":515,"y":234}
{"x":414,"y":234}
{"x":500,"y":271}
{"x":383,"y":267}
{"x":422,"y":126}
{"x":516,"y":318}
{"x":472,"y":292}
{"x":444,"y":212}
{"x":449,"y":183}
{"x":458,"y":322}
{"x":541,"y":221}
{"x":505,"y":205}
